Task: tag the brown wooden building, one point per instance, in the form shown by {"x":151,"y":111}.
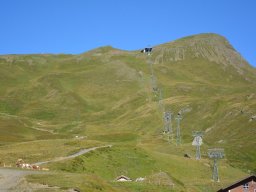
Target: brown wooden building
{"x":247,"y":184}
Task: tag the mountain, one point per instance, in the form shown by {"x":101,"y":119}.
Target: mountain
{"x":106,"y":96}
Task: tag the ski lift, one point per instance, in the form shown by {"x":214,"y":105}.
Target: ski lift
{"x":147,"y":50}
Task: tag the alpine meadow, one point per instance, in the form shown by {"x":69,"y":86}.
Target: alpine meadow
{"x":54,"y":105}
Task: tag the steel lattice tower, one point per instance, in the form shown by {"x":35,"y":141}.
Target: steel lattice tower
{"x":215,"y":154}
{"x":167,"y":124}
{"x":178,"y":139}
{"x":167,"y":121}
{"x":197,"y":142}
{"x":154,"y":86}
{"x":160,"y":102}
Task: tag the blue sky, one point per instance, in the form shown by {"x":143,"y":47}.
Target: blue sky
{"x":76,"y":26}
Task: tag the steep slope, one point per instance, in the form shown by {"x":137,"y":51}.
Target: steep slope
{"x":224,"y":84}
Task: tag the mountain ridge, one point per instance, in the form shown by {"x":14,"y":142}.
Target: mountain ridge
{"x":106,"y":95}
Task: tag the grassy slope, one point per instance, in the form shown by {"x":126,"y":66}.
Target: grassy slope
{"x":105,"y":94}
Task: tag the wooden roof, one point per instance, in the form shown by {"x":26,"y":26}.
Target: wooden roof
{"x":123,"y":176}
{"x":239,"y":183}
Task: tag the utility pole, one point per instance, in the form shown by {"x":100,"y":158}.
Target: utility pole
{"x":215,"y":154}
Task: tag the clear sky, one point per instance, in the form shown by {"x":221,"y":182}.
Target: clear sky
{"x":76,"y":26}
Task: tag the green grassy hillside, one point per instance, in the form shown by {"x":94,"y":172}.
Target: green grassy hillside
{"x":105,"y":95}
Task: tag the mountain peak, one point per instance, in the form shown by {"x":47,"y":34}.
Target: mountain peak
{"x":210,"y":46}
{"x":205,"y":36}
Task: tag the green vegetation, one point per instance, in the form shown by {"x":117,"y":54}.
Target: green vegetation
{"x":54,"y":105}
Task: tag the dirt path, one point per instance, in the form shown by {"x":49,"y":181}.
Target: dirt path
{"x":81,"y":152}
{"x":10,"y":178}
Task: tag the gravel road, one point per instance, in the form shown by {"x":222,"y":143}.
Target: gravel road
{"x":10,"y":178}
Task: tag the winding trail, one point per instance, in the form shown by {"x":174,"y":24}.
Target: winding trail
{"x":81,"y":152}
{"x":9,"y":178}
